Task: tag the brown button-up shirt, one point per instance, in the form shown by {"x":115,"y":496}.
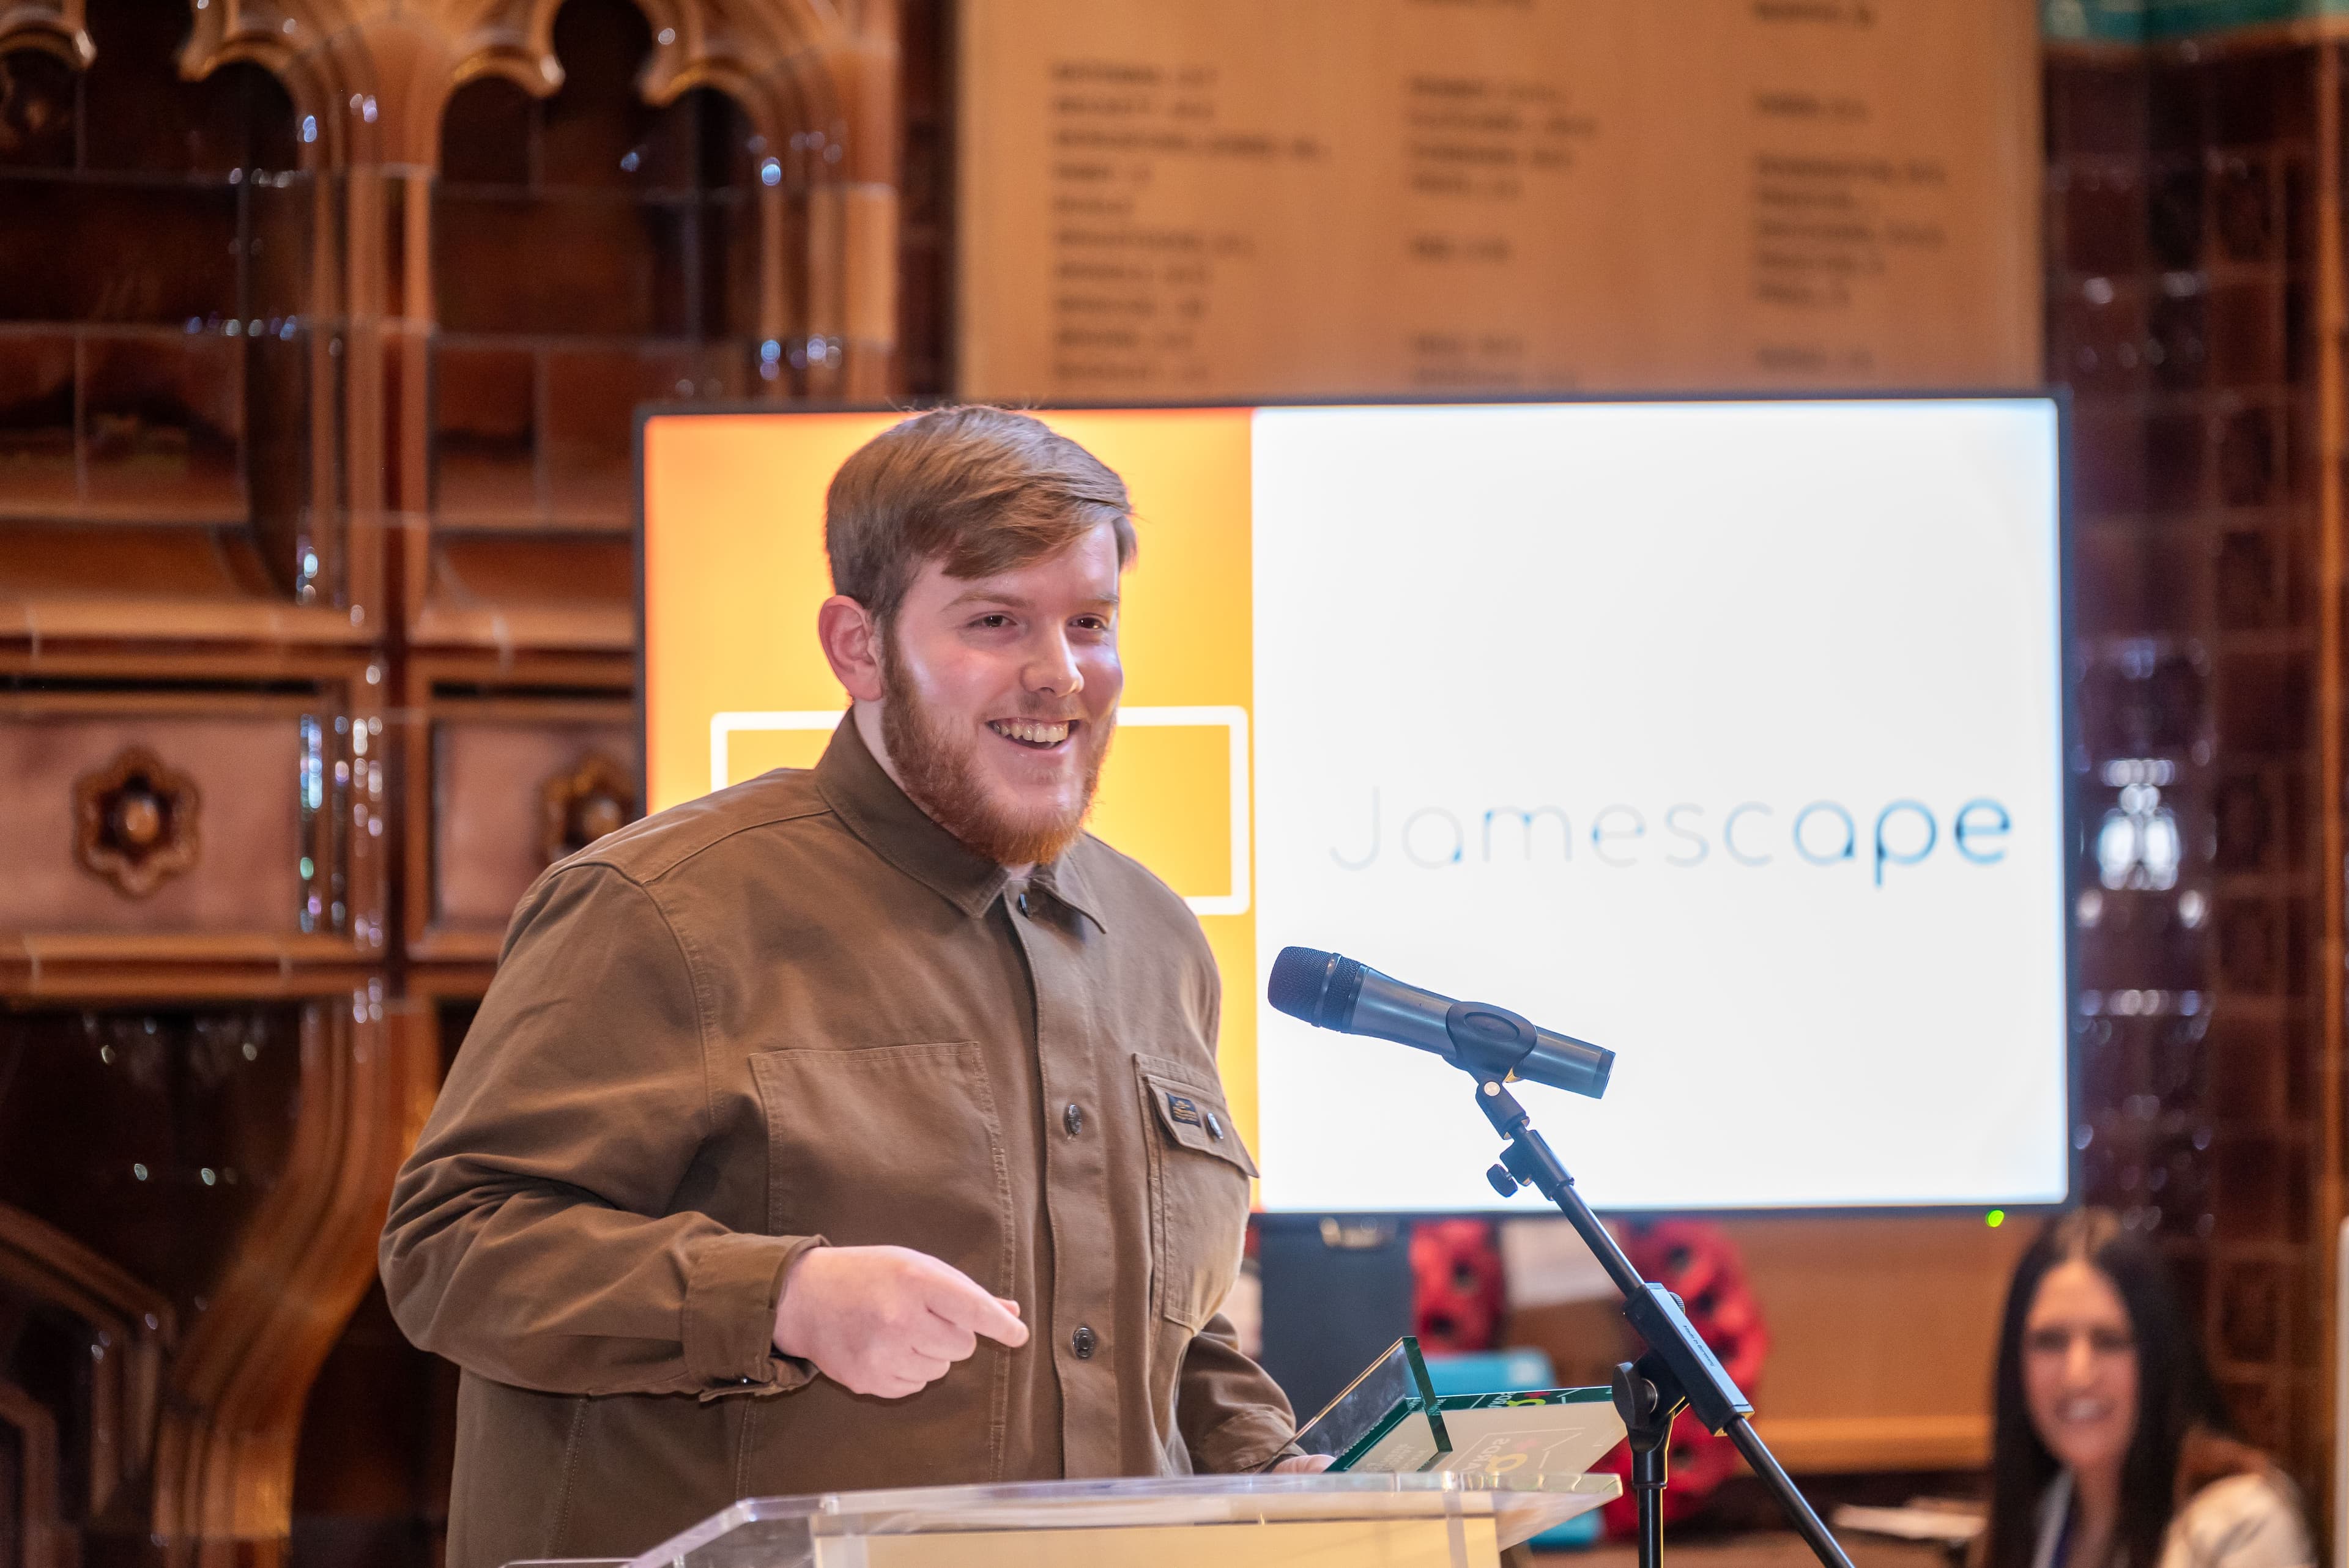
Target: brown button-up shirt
{"x":799,"y":1011}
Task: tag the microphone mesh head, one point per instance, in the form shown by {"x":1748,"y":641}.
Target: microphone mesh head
{"x":1298,"y":977}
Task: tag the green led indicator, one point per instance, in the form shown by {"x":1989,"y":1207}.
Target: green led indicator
{"x":1995,"y":1218}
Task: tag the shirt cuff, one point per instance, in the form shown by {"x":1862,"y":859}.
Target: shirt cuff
{"x":1244,"y":1442}
{"x":732,"y":1284}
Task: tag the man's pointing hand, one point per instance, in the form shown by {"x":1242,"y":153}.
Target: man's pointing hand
{"x":886,"y":1321}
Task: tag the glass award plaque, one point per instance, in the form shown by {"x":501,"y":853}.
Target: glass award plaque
{"x":1390,"y":1420}
{"x":1393,"y":1395}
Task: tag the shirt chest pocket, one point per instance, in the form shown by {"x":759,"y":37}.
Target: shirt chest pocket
{"x":889,"y":1145}
{"x":1199,"y":1175}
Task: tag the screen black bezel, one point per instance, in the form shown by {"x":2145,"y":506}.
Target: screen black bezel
{"x":2068,"y":684}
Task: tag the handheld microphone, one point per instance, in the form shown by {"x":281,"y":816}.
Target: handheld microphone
{"x":1330,"y":992}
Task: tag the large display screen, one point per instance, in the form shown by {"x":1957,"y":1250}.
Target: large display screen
{"x":1727,"y":735}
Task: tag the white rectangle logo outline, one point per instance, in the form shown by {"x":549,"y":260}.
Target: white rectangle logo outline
{"x":1231,"y":719}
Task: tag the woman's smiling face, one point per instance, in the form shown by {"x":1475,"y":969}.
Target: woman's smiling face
{"x":2079,"y":1368}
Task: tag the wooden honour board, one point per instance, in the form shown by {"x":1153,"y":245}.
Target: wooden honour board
{"x":1238,"y":199}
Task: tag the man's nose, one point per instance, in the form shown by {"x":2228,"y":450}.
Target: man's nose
{"x":1052,"y":669}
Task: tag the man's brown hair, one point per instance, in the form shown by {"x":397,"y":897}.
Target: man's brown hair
{"x":977,"y":490}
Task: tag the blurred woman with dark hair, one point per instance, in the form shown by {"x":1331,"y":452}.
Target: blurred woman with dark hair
{"x":2110,"y":1448}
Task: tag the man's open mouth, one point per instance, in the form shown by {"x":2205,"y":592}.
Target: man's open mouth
{"x":1037,"y":733}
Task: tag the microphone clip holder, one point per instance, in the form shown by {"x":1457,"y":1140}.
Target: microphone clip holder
{"x":1491,"y":1043}
{"x":1679,"y":1369}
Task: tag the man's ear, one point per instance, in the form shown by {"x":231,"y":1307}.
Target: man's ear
{"x":852,"y":643}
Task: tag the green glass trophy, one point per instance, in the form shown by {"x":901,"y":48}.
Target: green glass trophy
{"x":1391,"y":1421}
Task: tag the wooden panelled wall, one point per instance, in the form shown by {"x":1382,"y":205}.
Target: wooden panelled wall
{"x":321,"y":325}
{"x":2194,"y":301}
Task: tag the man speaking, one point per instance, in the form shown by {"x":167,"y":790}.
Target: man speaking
{"x":857,"y":1127}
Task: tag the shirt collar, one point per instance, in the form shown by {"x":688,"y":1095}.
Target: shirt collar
{"x":1065,"y":880}
{"x":856,"y":786}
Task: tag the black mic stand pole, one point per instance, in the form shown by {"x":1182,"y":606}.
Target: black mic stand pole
{"x":1680,"y":1368}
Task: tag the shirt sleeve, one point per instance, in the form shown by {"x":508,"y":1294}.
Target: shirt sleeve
{"x":531,"y":1238}
{"x":2244,"y":1521}
{"x":1233,"y":1415}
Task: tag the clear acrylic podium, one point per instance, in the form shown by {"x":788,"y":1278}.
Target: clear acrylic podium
{"x":1446,"y":1520}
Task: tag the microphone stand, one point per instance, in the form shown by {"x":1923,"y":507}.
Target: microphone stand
{"x":1679,"y":1369}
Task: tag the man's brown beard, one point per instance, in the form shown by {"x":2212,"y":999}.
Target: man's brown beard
{"x":942,"y":777}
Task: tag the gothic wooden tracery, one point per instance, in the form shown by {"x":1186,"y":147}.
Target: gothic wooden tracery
{"x":817,"y":81}
{"x":312,"y":609}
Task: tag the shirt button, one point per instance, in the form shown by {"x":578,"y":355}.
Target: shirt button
{"x":1074,"y":1119}
{"x":1082,"y":1341}
{"x":1215,"y":1127}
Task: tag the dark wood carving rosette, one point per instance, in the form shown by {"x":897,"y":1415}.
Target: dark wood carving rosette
{"x":135,"y":821}
{"x":580,"y":806}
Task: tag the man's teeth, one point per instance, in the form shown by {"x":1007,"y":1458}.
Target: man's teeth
{"x":1031,"y":731}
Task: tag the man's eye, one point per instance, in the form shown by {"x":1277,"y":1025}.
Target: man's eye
{"x":993,"y":622}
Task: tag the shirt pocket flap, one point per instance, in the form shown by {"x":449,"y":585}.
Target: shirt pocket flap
{"x":1197,"y":1118}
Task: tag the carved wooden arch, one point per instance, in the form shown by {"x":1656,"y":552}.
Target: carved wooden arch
{"x":788,"y":77}
{"x":224,"y":1456}
{"x":225,"y":31}
{"x":815,"y":77}
{"x":130,"y":1327}
{"x":810,"y":75}
{"x":288,"y":41}
{"x":377,"y":76}
{"x":57,"y":27}
{"x":744,"y":49}
{"x":694,"y":41}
